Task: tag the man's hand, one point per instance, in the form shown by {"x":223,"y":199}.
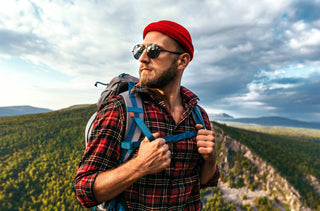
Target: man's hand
{"x":206,"y":144}
{"x":152,"y":157}
{"x":155,"y":156}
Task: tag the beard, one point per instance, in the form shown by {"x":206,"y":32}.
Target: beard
{"x":161,"y":78}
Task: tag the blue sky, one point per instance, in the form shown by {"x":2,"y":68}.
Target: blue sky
{"x":252,"y":58}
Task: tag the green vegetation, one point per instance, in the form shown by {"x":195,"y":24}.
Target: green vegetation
{"x":215,"y":202}
{"x":246,"y":207}
{"x":305,"y":133}
{"x":264,"y":204}
{"x":241,"y":171}
{"x":293,"y":157}
{"x":39,"y":155}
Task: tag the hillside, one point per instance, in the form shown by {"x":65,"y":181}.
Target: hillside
{"x":38,"y":159}
{"x":39,"y":155}
{"x":284,"y":169}
{"x":21,"y":110}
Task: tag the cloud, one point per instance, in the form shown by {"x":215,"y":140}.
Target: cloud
{"x":251,"y":57}
{"x":73,"y":38}
{"x":280,"y":94}
{"x":269,"y":44}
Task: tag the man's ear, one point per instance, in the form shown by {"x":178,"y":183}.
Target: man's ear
{"x":183,"y":61}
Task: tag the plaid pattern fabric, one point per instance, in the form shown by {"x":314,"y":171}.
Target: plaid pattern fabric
{"x":176,"y":188}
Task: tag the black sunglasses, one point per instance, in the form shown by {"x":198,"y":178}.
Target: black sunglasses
{"x":153,"y":51}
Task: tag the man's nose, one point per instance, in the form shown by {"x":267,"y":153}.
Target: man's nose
{"x":144,"y":58}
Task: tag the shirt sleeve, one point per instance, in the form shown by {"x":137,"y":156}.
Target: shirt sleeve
{"x":103,"y":149}
{"x":214,"y":180}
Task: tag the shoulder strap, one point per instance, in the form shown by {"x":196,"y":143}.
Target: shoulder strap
{"x":135,"y":116}
{"x":89,"y":127}
{"x":132,"y":132}
{"x":197,"y":116}
{"x":196,"y":113}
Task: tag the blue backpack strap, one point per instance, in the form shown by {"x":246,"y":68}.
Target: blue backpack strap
{"x":196,"y":112}
{"x":115,"y":206}
{"x":134,"y":118}
{"x":136,"y":109}
{"x":145,"y":130}
{"x":180,"y":136}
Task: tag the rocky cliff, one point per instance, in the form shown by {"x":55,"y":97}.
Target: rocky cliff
{"x":246,"y":177}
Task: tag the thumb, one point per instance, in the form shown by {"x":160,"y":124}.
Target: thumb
{"x":199,"y":126}
{"x":155,"y":135}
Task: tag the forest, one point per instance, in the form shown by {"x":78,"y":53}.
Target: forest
{"x":293,"y":157}
{"x":39,"y":155}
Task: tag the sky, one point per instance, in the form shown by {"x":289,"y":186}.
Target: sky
{"x":252,"y":58}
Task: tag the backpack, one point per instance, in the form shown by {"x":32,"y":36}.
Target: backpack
{"x":122,"y":85}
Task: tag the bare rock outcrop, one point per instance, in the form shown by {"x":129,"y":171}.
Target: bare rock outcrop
{"x":260,"y":180}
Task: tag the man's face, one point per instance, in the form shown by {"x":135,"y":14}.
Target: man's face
{"x":159,"y":72}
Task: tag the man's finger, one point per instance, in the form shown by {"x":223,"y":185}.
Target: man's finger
{"x":155,"y":135}
{"x":206,"y":132}
{"x":199,"y":126}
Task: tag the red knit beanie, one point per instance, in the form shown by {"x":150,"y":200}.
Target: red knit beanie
{"x":173,"y":30}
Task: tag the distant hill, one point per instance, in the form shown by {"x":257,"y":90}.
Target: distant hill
{"x":277,"y":121}
{"x":21,"y":110}
{"x":221,"y":116}
{"x":267,"y":121}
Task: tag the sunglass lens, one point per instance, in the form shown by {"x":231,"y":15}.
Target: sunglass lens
{"x":153,"y":51}
{"x":137,"y":51}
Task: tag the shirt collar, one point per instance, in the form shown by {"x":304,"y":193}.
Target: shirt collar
{"x":188,"y":97}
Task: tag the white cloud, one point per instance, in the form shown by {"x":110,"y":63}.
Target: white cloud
{"x":281,"y":86}
{"x":299,"y":26}
{"x":303,"y":37}
{"x":306,"y":39}
{"x":76,"y":38}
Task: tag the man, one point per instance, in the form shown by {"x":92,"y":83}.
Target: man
{"x":160,"y":176}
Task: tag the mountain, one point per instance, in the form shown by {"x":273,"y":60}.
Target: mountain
{"x":277,"y":121}
{"x":21,"y":110}
{"x":221,"y":116}
{"x":267,"y":121}
{"x":39,"y":155}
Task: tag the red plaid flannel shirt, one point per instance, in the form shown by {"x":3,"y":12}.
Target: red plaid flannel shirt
{"x":176,"y":188}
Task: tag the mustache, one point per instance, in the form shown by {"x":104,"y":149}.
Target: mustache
{"x":144,"y":67}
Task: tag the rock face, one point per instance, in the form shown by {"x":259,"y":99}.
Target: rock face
{"x":245,"y":176}
{"x":314,"y":182}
